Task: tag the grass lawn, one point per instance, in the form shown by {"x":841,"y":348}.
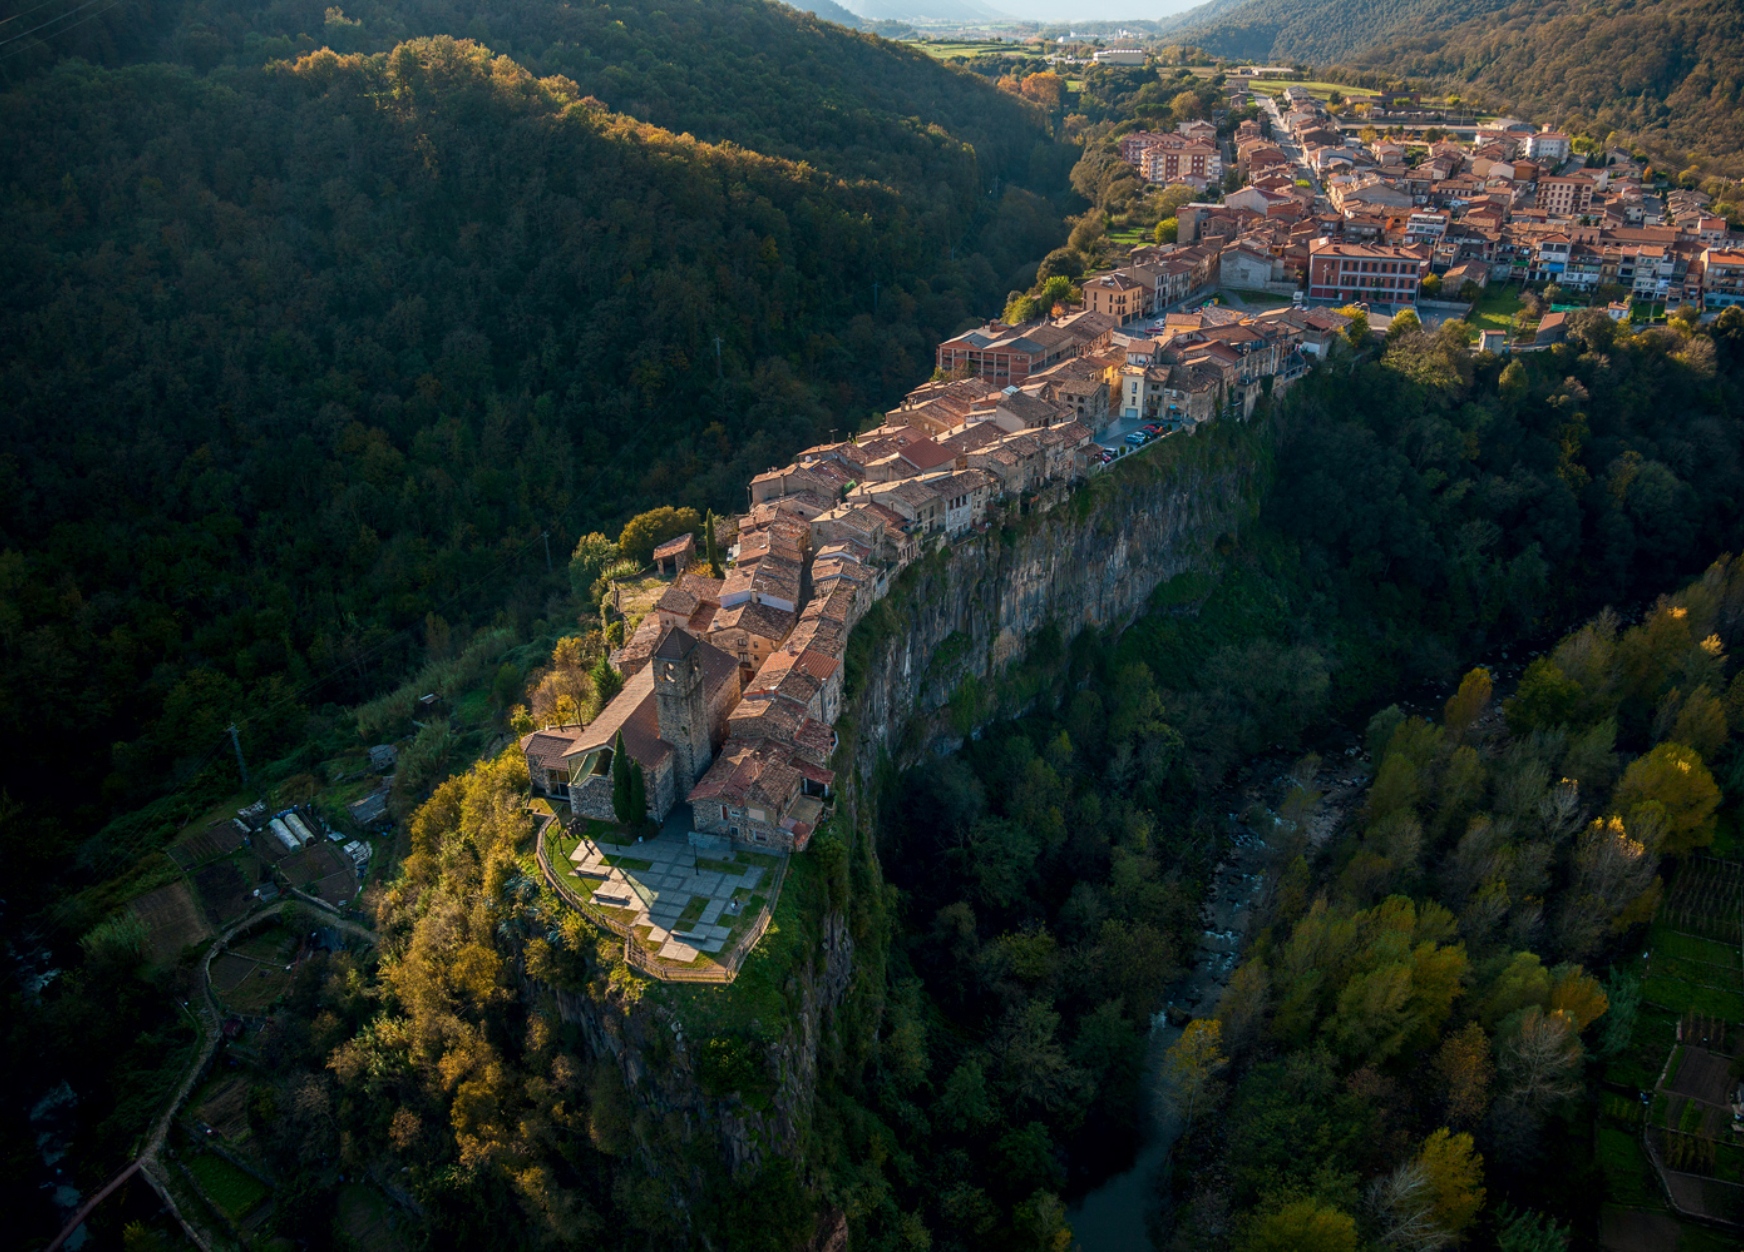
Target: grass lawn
{"x":1275,"y":87}
{"x":635,"y":864}
{"x":692,"y":912}
{"x":1681,"y":996}
{"x":238,"y":1194}
{"x":957,"y":50}
{"x":1643,"y":312}
{"x":1628,"y":1174}
{"x":1495,"y":308}
{"x":600,"y":832}
{"x":707,"y":865}
{"x":1264,"y":299}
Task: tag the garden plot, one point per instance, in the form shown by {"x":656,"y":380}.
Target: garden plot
{"x":196,"y":848}
{"x":224,"y":1107}
{"x":367,"y":1219}
{"x":323,"y":871}
{"x":1693,"y":968}
{"x":256,"y":972}
{"x":224,"y":888}
{"x":172,"y":921}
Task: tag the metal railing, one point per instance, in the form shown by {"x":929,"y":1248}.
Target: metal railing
{"x":726,"y":965}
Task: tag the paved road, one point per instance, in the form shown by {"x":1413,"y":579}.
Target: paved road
{"x":1288,"y":146}
{"x":209,"y":1020}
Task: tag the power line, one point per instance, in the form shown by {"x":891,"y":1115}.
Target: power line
{"x":51,"y":21}
{"x":25,"y":12}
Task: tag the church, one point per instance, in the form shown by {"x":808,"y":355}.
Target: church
{"x":672,"y":714}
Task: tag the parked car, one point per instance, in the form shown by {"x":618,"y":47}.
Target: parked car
{"x":1152,"y":428}
{"x":1138,"y":439}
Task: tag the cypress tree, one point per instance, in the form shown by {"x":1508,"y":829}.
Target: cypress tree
{"x":709,"y":546}
{"x":621,"y":783}
{"x":638,"y":795}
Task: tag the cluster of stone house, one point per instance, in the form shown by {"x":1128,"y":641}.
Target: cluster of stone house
{"x":733,"y":684}
{"x":1182,"y":368}
{"x":1507,"y":202}
{"x":1190,"y":156}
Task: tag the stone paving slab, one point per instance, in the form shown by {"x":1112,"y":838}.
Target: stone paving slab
{"x":673,"y":950}
{"x":711,"y":911}
{"x":753,"y":876}
{"x":705,"y":884}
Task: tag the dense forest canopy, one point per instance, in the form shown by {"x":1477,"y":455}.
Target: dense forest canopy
{"x":346,"y":335}
{"x":1661,"y":74}
{"x":1665,"y":74}
{"x":1043,"y":884}
{"x":1284,"y":32}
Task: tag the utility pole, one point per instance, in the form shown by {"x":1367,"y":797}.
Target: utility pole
{"x":546,"y":536}
{"x":236,"y":742}
{"x":717,"y":356}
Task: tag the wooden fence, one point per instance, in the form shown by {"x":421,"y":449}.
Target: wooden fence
{"x":726,"y":965}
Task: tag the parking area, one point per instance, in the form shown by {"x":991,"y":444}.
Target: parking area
{"x":1114,"y":439}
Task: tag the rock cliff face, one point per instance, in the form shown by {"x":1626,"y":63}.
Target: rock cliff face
{"x":1092,"y":558}
{"x":648,"y":1042}
{"x":957,"y":622}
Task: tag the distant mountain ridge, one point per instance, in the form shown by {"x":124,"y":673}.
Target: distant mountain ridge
{"x":969,"y":11}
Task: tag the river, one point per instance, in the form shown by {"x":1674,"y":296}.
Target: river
{"x":1116,"y":1216}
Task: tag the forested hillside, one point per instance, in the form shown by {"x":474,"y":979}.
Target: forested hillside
{"x":759,"y":73}
{"x":308,"y":356}
{"x":1043,"y":883}
{"x":1315,"y":32}
{"x":1665,"y":74}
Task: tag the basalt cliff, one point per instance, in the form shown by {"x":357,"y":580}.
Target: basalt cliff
{"x":975,"y":631}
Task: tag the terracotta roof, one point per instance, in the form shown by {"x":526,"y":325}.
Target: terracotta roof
{"x":640,"y":646}
{"x":674,"y":547}
{"x":750,"y":772}
{"x":631,"y":713}
{"x":924,"y":454}
{"x":755,"y":619}
{"x":546,"y":748}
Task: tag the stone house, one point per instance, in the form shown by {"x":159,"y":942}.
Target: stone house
{"x":749,"y":632}
{"x":965,"y":495}
{"x":764,"y":793}
{"x":675,"y":555}
{"x":1116,"y":295}
{"x":547,"y":770}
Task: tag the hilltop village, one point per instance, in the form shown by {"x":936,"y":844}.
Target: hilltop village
{"x":733,"y":684}
{"x":1378,"y":198}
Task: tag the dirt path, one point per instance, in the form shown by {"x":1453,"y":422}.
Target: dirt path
{"x":209,"y":1019}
